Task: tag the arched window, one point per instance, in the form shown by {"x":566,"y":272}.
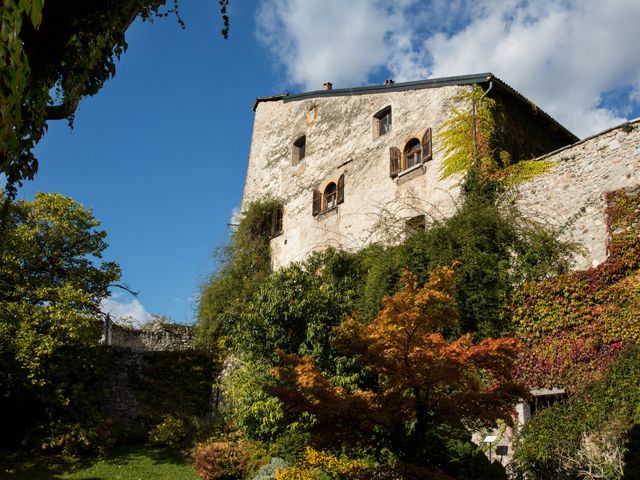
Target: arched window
{"x":415,"y":153}
{"x":412,"y":153}
{"x":330,"y":196}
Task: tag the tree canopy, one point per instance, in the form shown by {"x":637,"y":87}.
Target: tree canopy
{"x":419,"y":379}
{"x":52,"y":55}
{"x":52,"y":278}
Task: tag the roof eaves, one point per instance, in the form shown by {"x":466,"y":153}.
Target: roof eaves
{"x":476,"y":78}
{"x":272,"y":98}
{"x":395,"y":87}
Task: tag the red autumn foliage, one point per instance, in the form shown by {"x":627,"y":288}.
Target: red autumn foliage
{"x":420,"y":375}
{"x":575,"y":324}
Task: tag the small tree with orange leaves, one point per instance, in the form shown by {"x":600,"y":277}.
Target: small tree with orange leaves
{"x":420,"y":382}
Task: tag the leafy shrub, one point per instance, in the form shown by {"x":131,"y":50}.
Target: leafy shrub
{"x":221,"y":459}
{"x":268,"y":471}
{"x":243,"y":266}
{"x":292,"y":443}
{"x":171,"y":432}
{"x":320,"y":465}
{"x":72,"y":438}
{"x":590,"y":433}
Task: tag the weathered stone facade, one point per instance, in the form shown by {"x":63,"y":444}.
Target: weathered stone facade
{"x":154,"y":336}
{"x":342,"y":139}
{"x":572,"y":193}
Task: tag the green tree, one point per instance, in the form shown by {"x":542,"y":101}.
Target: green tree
{"x":423,"y":384}
{"x":244,"y":265}
{"x":52,"y":278}
{"x":69,"y":47}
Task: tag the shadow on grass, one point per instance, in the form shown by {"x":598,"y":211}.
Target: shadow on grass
{"x":132,"y":453}
{"x":25,"y":465}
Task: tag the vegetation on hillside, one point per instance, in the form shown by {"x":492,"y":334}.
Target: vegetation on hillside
{"x":386,"y":356}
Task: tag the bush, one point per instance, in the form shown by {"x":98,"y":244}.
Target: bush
{"x":171,"y":432}
{"x":590,"y":434}
{"x":268,"y":471}
{"x":221,"y":459}
{"x":74,"y":438}
{"x":320,"y":465}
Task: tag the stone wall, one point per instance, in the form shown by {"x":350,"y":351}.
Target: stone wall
{"x":342,"y":139}
{"x":154,"y":336}
{"x":572,"y":193}
{"x":140,"y":387}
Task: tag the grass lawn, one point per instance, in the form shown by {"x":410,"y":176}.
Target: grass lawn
{"x":122,"y":463}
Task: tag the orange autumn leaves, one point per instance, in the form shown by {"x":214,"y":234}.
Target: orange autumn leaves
{"x":416,"y":373}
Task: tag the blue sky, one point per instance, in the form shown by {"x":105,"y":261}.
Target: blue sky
{"x":160,"y":154}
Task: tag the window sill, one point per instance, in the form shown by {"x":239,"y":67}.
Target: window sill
{"x":327,"y":211}
{"x":410,"y":169}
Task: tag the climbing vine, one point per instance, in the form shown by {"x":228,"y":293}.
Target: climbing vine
{"x":243,"y":266}
{"x":475,"y":135}
{"x":576,"y":323}
{"x":466,"y":136}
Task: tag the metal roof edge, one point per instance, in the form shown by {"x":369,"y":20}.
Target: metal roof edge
{"x":475,"y":78}
{"x":395,"y":87}
{"x":272,"y":98}
{"x":590,"y":137}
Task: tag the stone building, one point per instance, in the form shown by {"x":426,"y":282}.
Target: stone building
{"x":358,"y":165}
{"x":354,"y":166}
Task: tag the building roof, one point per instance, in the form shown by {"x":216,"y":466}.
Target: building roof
{"x":482,"y":79}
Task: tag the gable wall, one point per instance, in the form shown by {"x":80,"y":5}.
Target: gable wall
{"x":341,"y":140}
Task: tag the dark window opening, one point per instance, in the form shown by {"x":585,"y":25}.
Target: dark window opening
{"x":383,"y":121}
{"x":416,"y":224}
{"x":540,"y":402}
{"x":274,"y":222}
{"x":299,"y":149}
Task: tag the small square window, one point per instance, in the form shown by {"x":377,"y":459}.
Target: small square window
{"x":382,"y":121}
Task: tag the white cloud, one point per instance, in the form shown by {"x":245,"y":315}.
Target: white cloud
{"x":132,"y":309}
{"x":564,"y":55}
{"x":235,"y":217}
{"x":333,"y":40}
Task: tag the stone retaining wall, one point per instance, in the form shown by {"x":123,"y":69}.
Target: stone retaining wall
{"x":140,"y":387}
{"x":155,"y":336}
{"x":572,"y":193}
